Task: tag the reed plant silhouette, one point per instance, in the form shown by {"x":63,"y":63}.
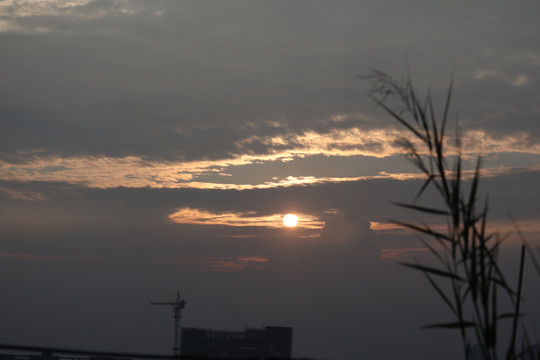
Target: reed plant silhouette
{"x":466,"y":273}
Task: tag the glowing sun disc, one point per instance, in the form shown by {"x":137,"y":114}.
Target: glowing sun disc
{"x":290,"y":220}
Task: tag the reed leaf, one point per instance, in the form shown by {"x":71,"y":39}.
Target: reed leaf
{"x":447,"y":106}
{"x":424,"y":186}
{"x":451,"y":325}
{"x":423,"y":209}
{"x":425,"y":230}
{"x":433,"y":271}
{"x":468,"y":277}
{"x":399,"y":118}
{"x":441,"y":293}
{"x":510,"y":315}
{"x":433,"y":251}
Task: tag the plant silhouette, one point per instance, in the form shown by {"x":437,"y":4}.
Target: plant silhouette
{"x":467,"y":275}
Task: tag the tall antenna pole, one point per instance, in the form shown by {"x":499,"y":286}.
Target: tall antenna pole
{"x":178,"y":305}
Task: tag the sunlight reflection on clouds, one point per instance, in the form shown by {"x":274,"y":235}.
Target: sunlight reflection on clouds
{"x":133,"y":171}
{"x":203,"y":217}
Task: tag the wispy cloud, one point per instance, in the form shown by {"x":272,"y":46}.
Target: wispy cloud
{"x":25,"y":16}
{"x":14,"y":13}
{"x":516,"y":80}
{"x":223,"y":264}
{"x":28,"y":195}
{"x":132,"y":171}
{"x":338,"y":142}
{"x":204,"y":217}
{"x":32,"y":257}
{"x":27,"y":8}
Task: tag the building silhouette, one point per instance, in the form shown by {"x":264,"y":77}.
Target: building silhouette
{"x":45,"y":355}
{"x":270,"y":342}
{"x":53,"y":355}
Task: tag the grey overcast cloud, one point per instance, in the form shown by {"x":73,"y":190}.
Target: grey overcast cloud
{"x":154,"y":146}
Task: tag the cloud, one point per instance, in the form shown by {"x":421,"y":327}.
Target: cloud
{"x":257,"y":91}
{"x":116,"y":115}
{"x":132,"y":171}
{"x":202,"y":217}
{"x":518,"y":80}
{"x":32,"y":257}
{"x":50,"y":16}
{"x":135,"y":172}
{"x":337,"y":142}
{"x":28,"y":195}
{"x":221,"y":264}
{"x":25,"y":8}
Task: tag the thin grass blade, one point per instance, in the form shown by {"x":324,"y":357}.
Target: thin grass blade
{"x":433,"y":271}
{"x":399,"y":119}
{"x":451,"y":325}
{"x":425,"y":209}
{"x":425,"y":230}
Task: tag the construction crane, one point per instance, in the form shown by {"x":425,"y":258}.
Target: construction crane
{"x":178,"y":305}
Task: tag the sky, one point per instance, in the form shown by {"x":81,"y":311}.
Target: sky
{"x":149,"y":147}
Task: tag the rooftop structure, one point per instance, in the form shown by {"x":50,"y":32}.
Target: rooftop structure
{"x":272,"y":341}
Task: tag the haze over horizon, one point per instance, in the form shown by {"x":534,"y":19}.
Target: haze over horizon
{"x":154,"y":146}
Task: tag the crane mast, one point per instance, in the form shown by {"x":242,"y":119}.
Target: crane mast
{"x":177,"y":305}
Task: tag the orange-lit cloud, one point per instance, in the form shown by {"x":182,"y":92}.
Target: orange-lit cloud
{"x":530,"y":229}
{"x":224,"y":264}
{"x":502,"y":227}
{"x":377,"y":226}
{"x":338,"y":142}
{"x":23,"y":195}
{"x":131,"y":171}
{"x":203,"y":217}
{"x":32,"y":257}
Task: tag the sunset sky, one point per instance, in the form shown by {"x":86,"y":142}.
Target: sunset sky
{"x":154,"y":146}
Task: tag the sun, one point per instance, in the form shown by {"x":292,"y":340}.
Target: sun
{"x":290,"y":220}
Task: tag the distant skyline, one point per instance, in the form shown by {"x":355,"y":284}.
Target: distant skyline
{"x":154,"y":146}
